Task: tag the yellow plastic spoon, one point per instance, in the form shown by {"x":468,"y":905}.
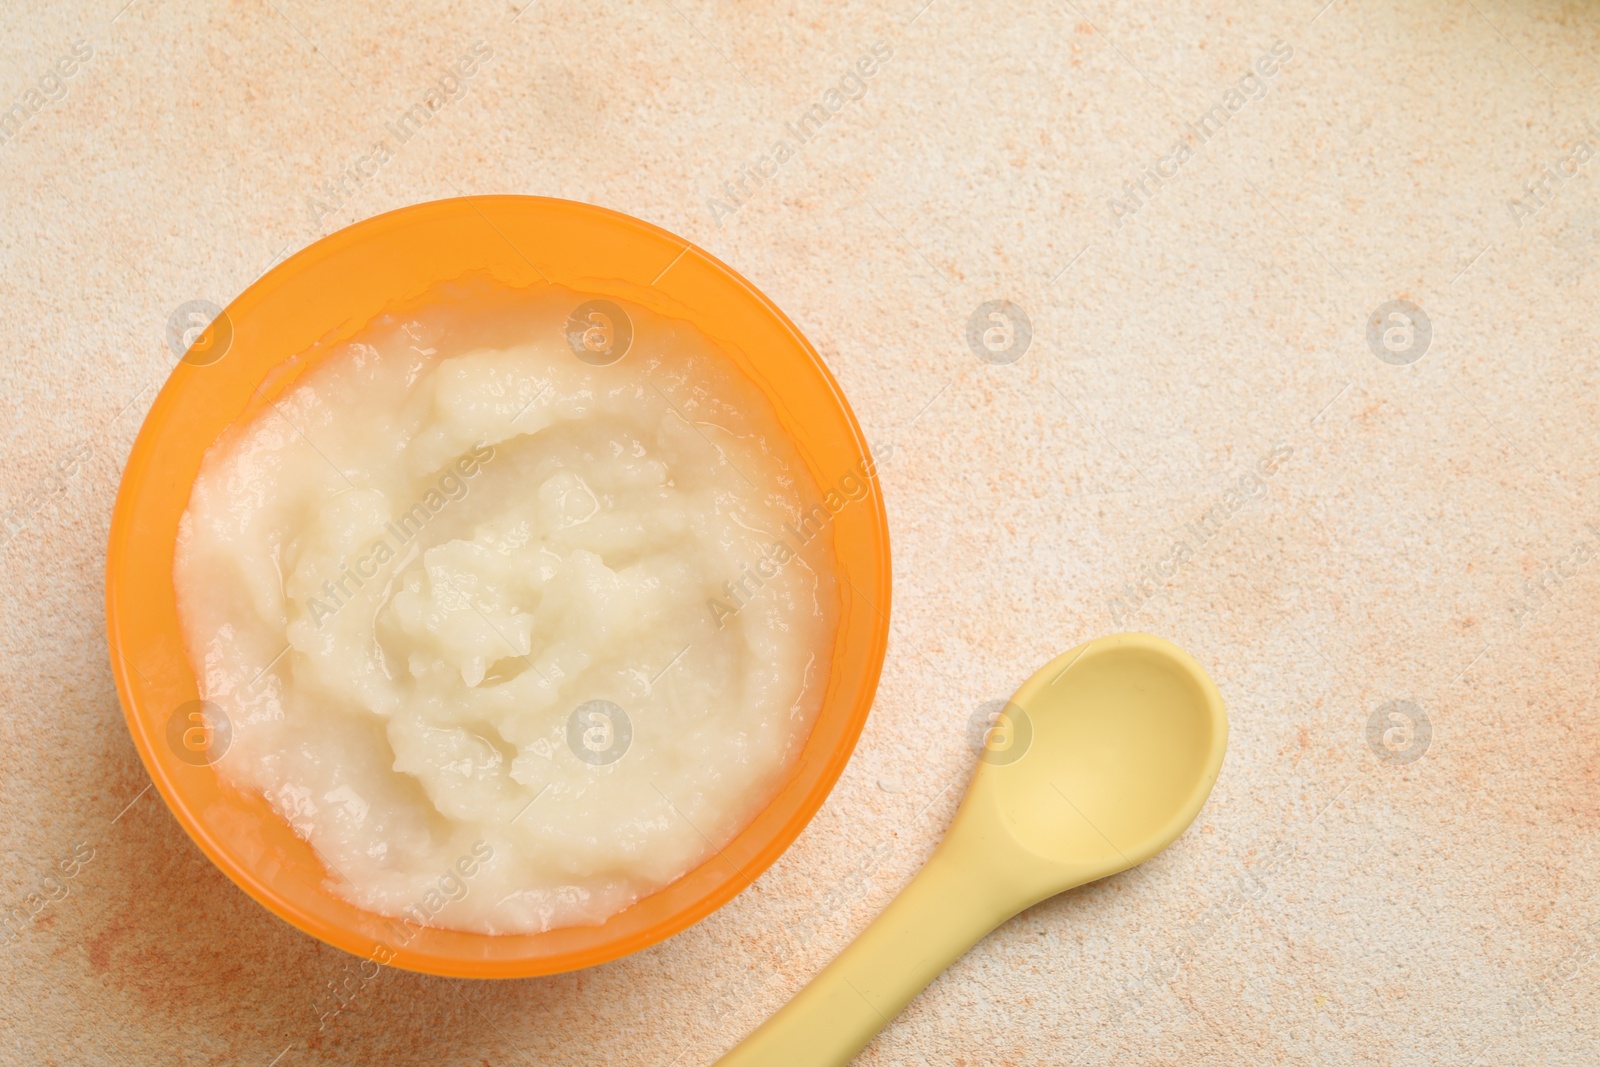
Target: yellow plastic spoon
{"x":1099,"y":761}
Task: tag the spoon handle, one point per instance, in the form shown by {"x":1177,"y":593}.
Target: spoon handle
{"x":957,"y":897}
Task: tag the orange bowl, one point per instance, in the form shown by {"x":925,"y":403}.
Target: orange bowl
{"x":323,"y":295}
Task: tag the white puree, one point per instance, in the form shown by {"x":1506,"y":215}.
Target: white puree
{"x":461,"y":532}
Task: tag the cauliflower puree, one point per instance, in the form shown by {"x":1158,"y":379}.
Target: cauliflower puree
{"x":528,"y":583}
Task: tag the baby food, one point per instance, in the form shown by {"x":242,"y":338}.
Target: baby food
{"x":518,"y":606}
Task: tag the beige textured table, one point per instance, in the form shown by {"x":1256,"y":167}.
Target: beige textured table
{"x":1198,"y":208}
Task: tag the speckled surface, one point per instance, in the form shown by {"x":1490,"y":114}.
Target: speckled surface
{"x":1431,"y":535}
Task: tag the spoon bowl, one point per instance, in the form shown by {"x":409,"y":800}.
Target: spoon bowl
{"x":1123,"y":739}
{"x":1101,"y":760}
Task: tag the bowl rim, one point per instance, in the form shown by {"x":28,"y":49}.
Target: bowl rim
{"x":124,"y":616}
